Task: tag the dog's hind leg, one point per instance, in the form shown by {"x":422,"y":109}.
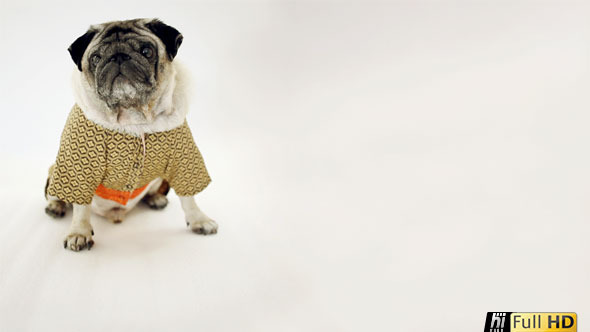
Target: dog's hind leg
{"x":115,"y":215}
{"x":55,"y":207}
{"x":155,"y":198}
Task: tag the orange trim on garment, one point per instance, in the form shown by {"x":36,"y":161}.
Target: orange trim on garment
{"x":121,"y":197}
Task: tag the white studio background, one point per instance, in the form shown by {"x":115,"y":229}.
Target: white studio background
{"x":400,"y":166}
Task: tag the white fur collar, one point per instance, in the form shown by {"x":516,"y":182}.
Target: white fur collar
{"x":170,"y":109}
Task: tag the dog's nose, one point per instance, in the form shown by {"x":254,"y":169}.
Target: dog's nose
{"x":120,"y":57}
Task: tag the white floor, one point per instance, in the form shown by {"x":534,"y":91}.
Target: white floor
{"x":376,"y":167}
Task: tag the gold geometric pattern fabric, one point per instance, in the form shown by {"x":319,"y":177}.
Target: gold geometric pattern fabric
{"x":90,"y":155}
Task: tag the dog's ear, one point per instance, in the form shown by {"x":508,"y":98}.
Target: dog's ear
{"x":79,"y":46}
{"x":171,"y":37}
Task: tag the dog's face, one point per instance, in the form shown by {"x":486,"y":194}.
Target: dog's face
{"x":125,"y":62}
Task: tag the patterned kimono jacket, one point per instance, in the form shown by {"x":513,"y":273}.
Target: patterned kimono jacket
{"x":95,"y":160}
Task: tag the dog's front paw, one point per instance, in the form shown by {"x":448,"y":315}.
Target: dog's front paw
{"x":202,"y":225}
{"x":56,"y":209}
{"x":76,"y":241}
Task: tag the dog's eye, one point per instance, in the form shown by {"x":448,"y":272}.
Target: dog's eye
{"x":95,"y":59}
{"x":147,"y":52}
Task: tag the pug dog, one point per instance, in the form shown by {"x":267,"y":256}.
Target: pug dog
{"x":126,"y":140}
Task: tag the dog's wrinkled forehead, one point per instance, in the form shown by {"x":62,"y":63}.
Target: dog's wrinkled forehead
{"x":168,"y":38}
{"x":116,"y":33}
{"x":117,"y":30}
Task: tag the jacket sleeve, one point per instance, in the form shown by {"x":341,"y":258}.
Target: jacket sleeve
{"x":188,"y":175}
{"x":80,"y":163}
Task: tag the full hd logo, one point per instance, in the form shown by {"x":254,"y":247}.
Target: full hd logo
{"x":531,"y":322}
{"x":496,"y":321}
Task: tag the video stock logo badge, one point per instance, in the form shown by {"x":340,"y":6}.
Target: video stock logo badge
{"x":531,"y":322}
